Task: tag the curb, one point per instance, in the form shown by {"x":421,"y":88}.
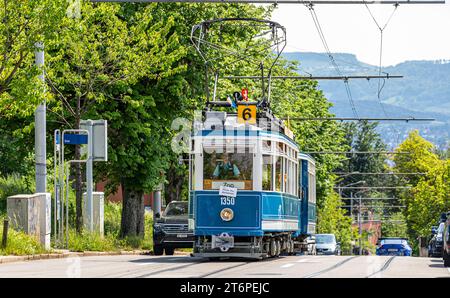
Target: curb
{"x":67,"y":254}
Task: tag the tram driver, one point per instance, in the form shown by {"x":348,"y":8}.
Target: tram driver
{"x":226,"y":169}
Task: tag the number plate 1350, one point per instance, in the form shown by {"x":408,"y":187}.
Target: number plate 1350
{"x":226,"y":201}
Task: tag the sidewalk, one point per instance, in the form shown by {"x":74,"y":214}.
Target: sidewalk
{"x":58,"y":254}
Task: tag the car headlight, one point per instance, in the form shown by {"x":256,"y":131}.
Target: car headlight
{"x":439,"y":239}
{"x":226,"y":214}
{"x":157,"y":227}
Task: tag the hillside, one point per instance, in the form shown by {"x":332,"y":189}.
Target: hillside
{"x":423,"y":92}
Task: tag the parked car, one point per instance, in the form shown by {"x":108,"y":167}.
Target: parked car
{"x":171,"y":231}
{"x":393,"y":246}
{"x":326,"y":244}
{"x":446,"y":242}
{"x":436,"y":242}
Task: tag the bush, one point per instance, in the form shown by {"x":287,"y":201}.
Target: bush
{"x":19,"y":243}
{"x":113,"y":215}
{"x":14,"y":184}
{"x":92,"y":242}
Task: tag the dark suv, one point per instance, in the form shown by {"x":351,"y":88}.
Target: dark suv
{"x":436,"y":242}
{"x":446,"y":243}
{"x":171,"y":231}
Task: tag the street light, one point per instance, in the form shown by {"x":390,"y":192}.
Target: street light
{"x":351,"y":184}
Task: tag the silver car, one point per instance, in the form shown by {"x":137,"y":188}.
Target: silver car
{"x":326,"y":244}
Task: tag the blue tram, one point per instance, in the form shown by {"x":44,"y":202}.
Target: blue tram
{"x":252,"y":193}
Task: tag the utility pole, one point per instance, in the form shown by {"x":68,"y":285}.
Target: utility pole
{"x":40,"y":128}
{"x":360,"y":226}
{"x":89,"y":178}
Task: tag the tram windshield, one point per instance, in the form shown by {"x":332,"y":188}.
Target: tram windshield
{"x":233,"y":169}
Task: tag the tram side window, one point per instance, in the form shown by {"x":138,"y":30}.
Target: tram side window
{"x":312,"y":188}
{"x":278,"y":175}
{"x":267,"y":172}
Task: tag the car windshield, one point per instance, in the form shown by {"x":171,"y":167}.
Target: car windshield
{"x":325,"y":239}
{"x":176,"y":209}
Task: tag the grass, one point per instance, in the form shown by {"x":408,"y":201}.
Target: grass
{"x":20,"y":243}
{"x":111,"y":240}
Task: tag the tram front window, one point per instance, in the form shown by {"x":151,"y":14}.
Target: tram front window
{"x":227,"y":168}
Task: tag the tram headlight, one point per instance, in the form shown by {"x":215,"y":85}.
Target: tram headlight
{"x":226,"y":214}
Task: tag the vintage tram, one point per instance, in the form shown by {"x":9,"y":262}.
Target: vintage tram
{"x":252,"y":192}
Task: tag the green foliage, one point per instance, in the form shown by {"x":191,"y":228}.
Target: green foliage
{"x":332,"y":219}
{"x":428,"y":197}
{"x":420,"y":159}
{"x":19,"y":243}
{"x":14,"y":184}
{"x":112,"y":215}
{"x":86,"y":241}
{"x":24,"y":23}
{"x":395,"y":229}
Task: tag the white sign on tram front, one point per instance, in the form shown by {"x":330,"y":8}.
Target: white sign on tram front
{"x":227,"y":191}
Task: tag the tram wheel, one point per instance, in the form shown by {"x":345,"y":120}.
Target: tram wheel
{"x":291,"y":247}
{"x":278,"y":247}
{"x":273,"y":247}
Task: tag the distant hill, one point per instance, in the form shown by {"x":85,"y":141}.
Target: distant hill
{"x":423,"y":92}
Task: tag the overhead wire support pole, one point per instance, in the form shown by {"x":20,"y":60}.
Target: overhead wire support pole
{"x":281,"y":1}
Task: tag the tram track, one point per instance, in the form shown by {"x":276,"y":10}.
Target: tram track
{"x":222,"y":270}
{"x":383,"y":268}
{"x":169,"y":269}
{"x":330,"y":268}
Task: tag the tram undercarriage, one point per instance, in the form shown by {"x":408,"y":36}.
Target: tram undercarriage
{"x":256,"y":247}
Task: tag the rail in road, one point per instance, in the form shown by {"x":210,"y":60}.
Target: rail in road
{"x":189,"y":267}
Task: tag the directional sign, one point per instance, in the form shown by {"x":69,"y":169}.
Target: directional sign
{"x":75,"y":139}
{"x":247,"y":114}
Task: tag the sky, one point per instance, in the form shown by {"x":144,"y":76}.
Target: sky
{"x":415,"y":31}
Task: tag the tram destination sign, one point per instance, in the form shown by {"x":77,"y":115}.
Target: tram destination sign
{"x":227,"y":191}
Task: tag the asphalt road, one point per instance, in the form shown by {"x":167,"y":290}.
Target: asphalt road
{"x":185,"y":266}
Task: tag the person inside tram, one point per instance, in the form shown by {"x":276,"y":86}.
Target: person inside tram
{"x":226,"y":169}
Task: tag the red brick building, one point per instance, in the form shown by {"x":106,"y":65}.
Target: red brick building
{"x":117,"y":196}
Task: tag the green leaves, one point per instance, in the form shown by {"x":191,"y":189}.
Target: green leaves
{"x":428,"y":197}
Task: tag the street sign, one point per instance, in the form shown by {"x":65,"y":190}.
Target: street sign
{"x":99,"y":138}
{"x":74,"y":139}
{"x":247,"y":114}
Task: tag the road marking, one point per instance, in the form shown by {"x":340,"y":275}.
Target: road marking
{"x":302,"y":260}
{"x":287,"y":265}
{"x":448,"y":270}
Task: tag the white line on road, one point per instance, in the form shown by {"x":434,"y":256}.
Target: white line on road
{"x":302,"y":260}
{"x":146,"y":263}
{"x":287,"y":265}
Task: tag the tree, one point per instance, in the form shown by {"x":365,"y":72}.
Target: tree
{"x":395,"y":228}
{"x":332,"y":219}
{"x":23,"y":24}
{"x":363,"y":137}
{"x":96,"y":58}
{"x":429,"y":195}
